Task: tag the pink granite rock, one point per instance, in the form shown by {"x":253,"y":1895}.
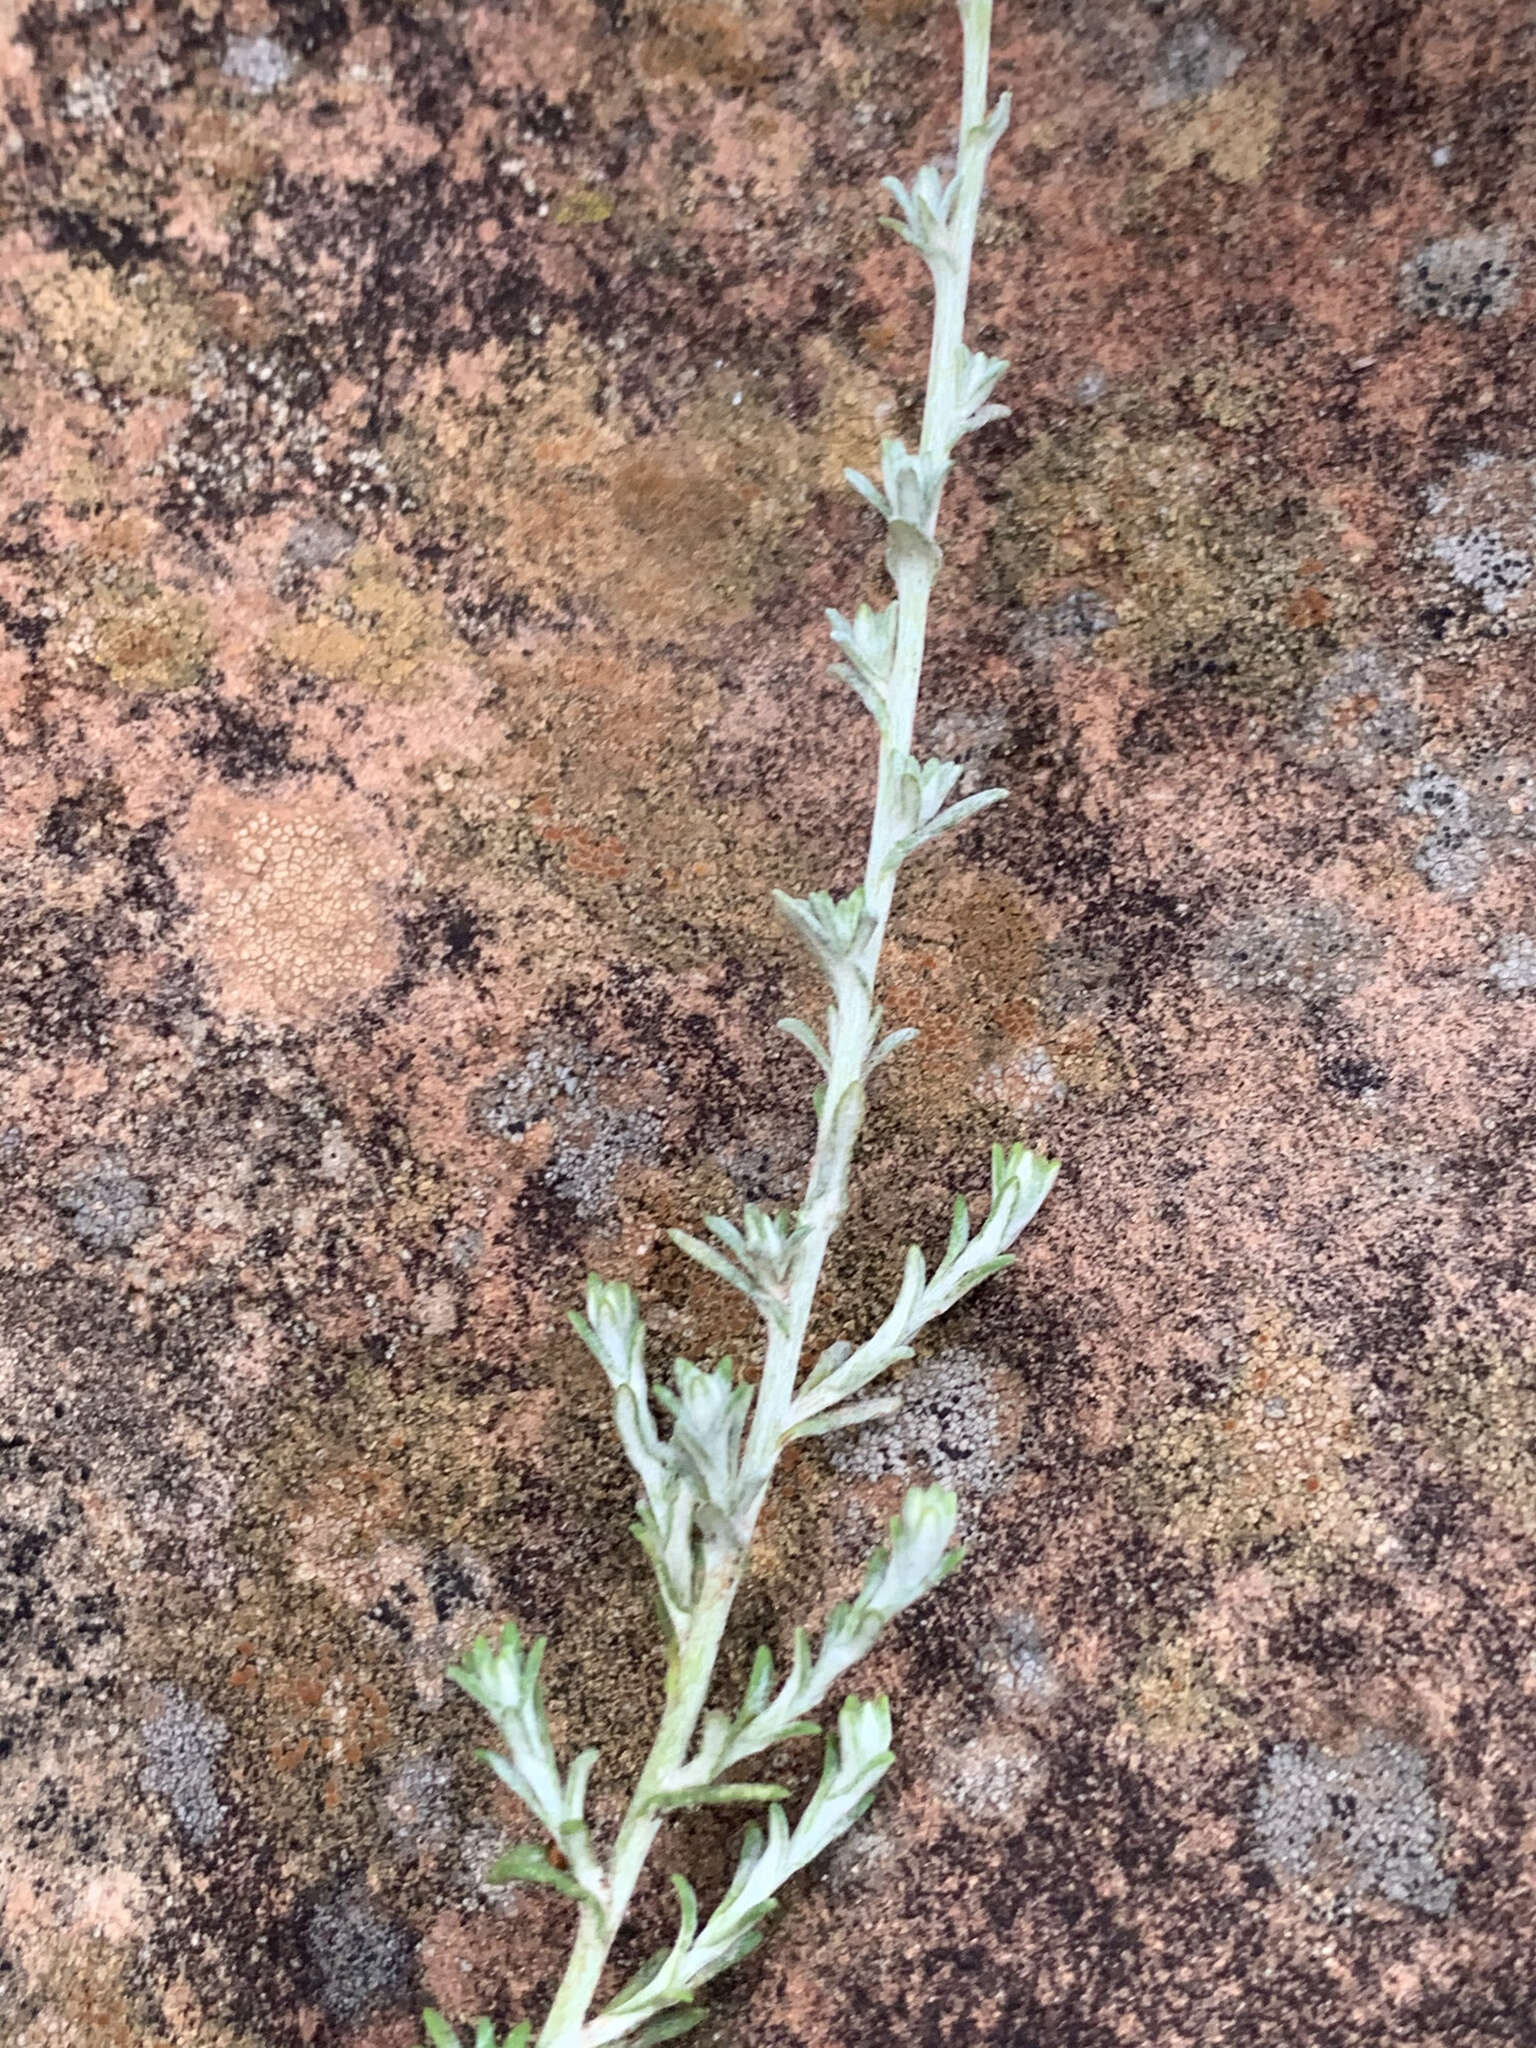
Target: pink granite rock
{"x":421,"y":435}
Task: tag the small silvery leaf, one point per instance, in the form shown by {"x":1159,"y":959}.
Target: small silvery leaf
{"x":945,"y":821}
{"x":757,"y":1271}
{"x":1021,"y":1180}
{"x":636,"y":1428}
{"x":873,"y":1410}
{"x":870,"y":493}
{"x":681,"y":2021}
{"x":976,"y":377}
{"x":869,"y":644}
{"x":834,"y":1356}
{"x":768,"y":1717}
{"x":761,"y":1869}
{"x":918,"y":1557}
{"x":766,"y":1242}
{"x":983,"y":416}
{"x":613,"y":1331}
{"x":719,"y":1795}
{"x":926,"y":213}
{"x":664,"y":1530}
{"x":913,"y":482}
{"x":935,"y":781}
{"x":909,"y":553}
{"x":992,"y":128}
{"x":713,"y":1260}
{"x":759,"y":1684}
{"x":908,"y":227}
{"x":834,"y":928}
{"x":891,"y":1043}
{"x":505,"y":1681}
{"x":921,"y":788}
{"x":441,"y":2035}
{"x":802,"y":1034}
{"x":709,"y":1413}
{"x":868,"y":641}
{"x":857,"y":1758}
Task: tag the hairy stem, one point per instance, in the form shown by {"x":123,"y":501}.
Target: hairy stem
{"x":688,"y":1681}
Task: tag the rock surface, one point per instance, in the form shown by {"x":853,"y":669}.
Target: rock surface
{"x":421,"y":433}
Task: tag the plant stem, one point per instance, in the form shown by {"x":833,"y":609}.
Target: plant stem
{"x":688,"y":1681}
{"x":691,"y":1668}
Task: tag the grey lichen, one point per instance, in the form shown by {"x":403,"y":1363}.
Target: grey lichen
{"x":1344,"y":1826}
{"x":1306,"y":951}
{"x":1487,"y":562}
{"x":1452,"y":858}
{"x":1359,"y":720}
{"x":417,"y":1803}
{"x":562,"y":1084}
{"x":109,"y":1208}
{"x":1197,"y":58}
{"x":1513,"y":973}
{"x":361,"y":1959}
{"x":949,"y":1429}
{"x":182,"y":1742}
{"x":1465,"y":278}
{"x":257,"y":62}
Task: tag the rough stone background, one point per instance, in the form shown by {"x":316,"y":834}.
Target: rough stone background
{"x":420,"y":439}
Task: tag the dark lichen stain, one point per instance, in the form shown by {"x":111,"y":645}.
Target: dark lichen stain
{"x":246,"y":748}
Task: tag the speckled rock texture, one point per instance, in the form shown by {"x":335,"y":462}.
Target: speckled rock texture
{"x":420,"y":442}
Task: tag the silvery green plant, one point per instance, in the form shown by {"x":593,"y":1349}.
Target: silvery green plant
{"x":704,"y":1448}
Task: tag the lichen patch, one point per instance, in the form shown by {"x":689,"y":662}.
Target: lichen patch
{"x":134,"y":337}
{"x":1275,"y":1459}
{"x":1233,"y":134}
{"x":294,"y":916}
{"x":670,"y":536}
{"x":379,"y":633}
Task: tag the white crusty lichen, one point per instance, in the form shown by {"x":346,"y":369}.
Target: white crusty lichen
{"x":705,"y":1447}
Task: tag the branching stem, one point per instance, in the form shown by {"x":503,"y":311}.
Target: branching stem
{"x":842,"y":1101}
{"x":703,"y":1489}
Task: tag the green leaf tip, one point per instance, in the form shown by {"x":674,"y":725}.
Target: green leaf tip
{"x":528,"y":1864}
{"x":441,"y":2035}
{"x":670,"y":2026}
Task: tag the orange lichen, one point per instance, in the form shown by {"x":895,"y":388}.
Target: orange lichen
{"x":325,"y":1716}
{"x":136,"y":337}
{"x":671,"y":536}
{"x":378,"y":633}
{"x":1173,"y":1695}
{"x":142,"y":636}
{"x":1274,"y":1458}
{"x":1233,"y":134}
